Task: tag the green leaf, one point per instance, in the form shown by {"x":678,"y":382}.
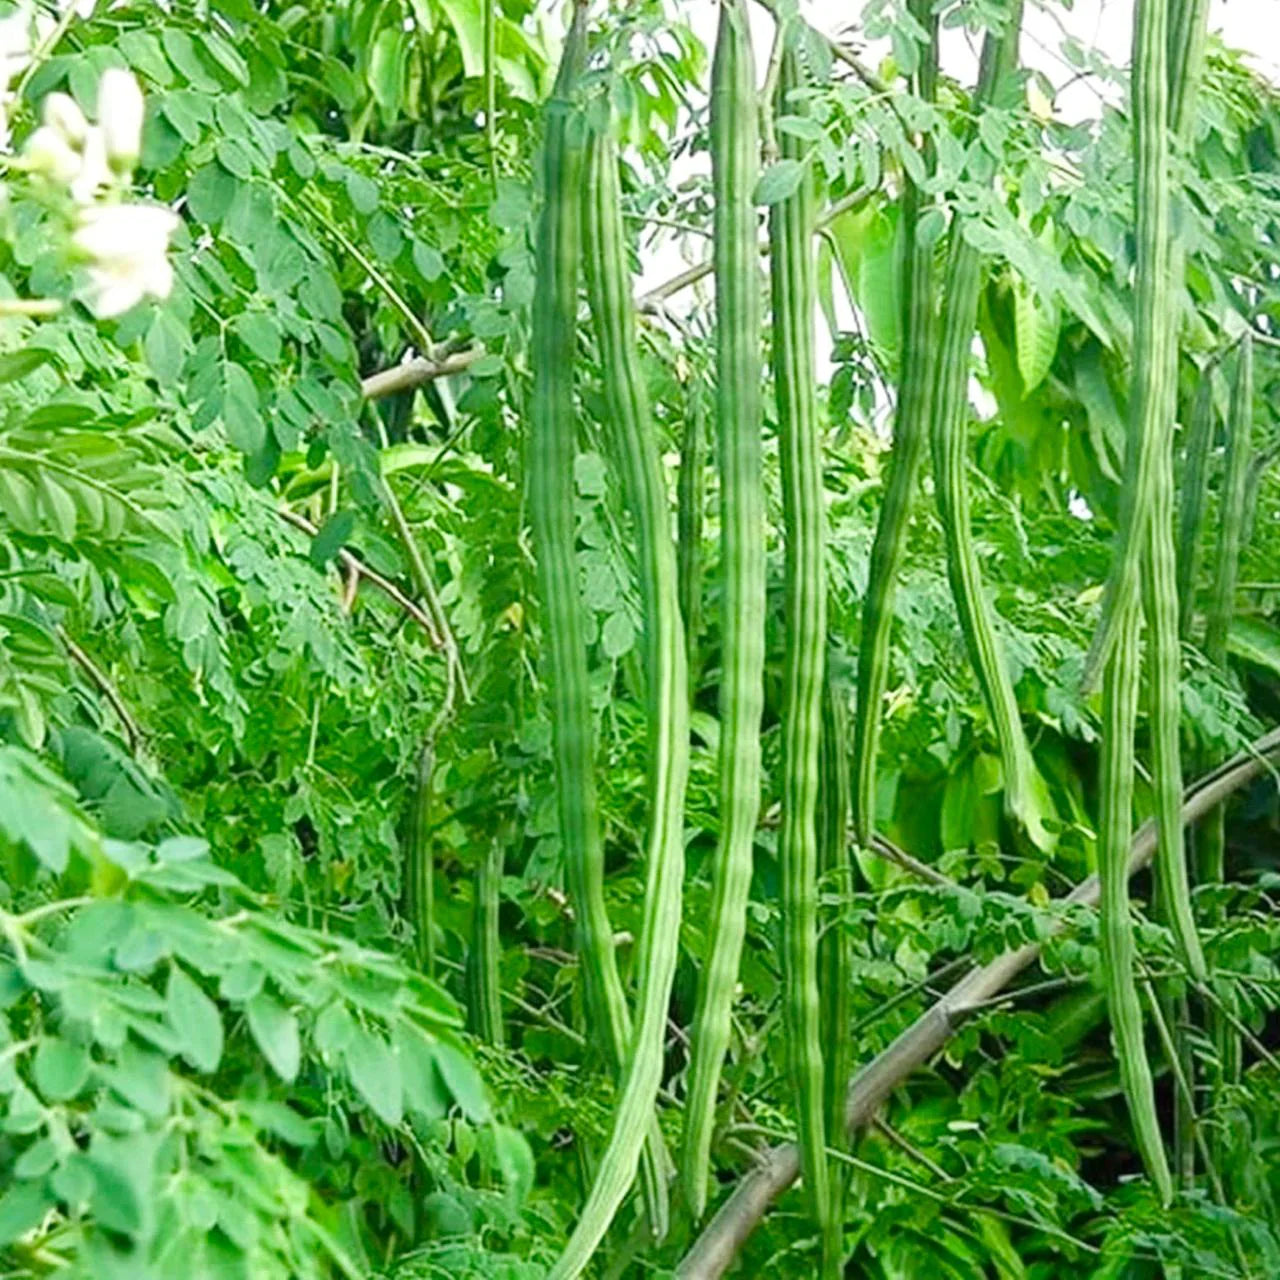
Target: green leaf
{"x":21,"y":1207}
{"x":515,"y":1161}
{"x":195,"y":1020}
{"x":387,"y":67}
{"x":240,"y":411}
{"x":618,"y":635}
{"x":275,"y":1030}
{"x":780,"y":180}
{"x":333,"y":536}
{"x":1036,"y":327}
{"x":260,"y":333}
{"x":428,"y":261}
{"x":60,"y":1069}
{"x":16,"y":365}
{"x":463,"y":1081}
{"x":165,"y":346}
{"x":375,"y":1072}
{"x":467,"y":19}
{"x":210,"y":193}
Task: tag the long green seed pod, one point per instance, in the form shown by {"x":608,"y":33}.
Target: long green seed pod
{"x":689,"y":512}
{"x":484,"y":1002}
{"x":1115,"y":830}
{"x":1195,"y":479}
{"x":1153,"y":328}
{"x":835,"y":960}
{"x":735,"y":160}
{"x":949,"y":410}
{"x":1188,"y":29}
{"x":805,"y":610}
{"x":419,"y":864}
{"x":1160,"y":607}
{"x":910,"y":434}
{"x":635,"y":452}
{"x":1211,"y":834}
{"x":552,"y":450}
{"x":1235,"y":477}
{"x":1166,"y":610}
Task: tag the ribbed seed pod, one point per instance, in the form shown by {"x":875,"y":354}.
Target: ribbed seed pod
{"x":948,"y":439}
{"x":1160,"y":600}
{"x":552,"y":450}
{"x":735,"y":161}
{"x":791,"y":224}
{"x":1145,"y":528}
{"x":1195,"y":482}
{"x":689,"y":512}
{"x":1115,"y":831}
{"x":634,"y":452}
{"x":1211,"y":834}
{"x":419,"y":864}
{"x":910,"y":434}
{"x":1153,"y":329}
{"x":1235,"y":477}
{"x":484,"y":1001}
{"x":835,"y":960}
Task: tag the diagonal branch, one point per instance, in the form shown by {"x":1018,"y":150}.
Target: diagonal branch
{"x":779,"y":1167}
{"x":357,"y":566}
{"x":421,"y":370}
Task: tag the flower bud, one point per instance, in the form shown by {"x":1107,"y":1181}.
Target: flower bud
{"x":48,"y":152}
{"x":120,"y":111}
{"x":62,"y":113}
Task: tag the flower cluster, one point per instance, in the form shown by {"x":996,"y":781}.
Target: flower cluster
{"x":124,"y":245}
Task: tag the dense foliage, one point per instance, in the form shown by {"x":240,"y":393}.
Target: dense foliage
{"x":345,"y":509}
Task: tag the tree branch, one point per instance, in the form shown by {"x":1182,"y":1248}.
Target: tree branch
{"x":353,"y":564}
{"x":132,"y":733}
{"x":719,"y":1243}
{"x":421,"y":370}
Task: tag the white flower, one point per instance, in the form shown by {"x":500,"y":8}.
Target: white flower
{"x":15,"y":44}
{"x":120,"y":110}
{"x":127,"y":246}
{"x":95,"y":172}
{"x":62,"y":112}
{"x":48,"y":152}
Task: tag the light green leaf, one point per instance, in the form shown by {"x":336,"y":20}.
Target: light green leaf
{"x":275,"y":1030}
{"x":195,"y":1020}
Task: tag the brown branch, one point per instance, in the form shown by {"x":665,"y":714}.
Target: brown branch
{"x":416,"y":373}
{"x":132,"y":733}
{"x":779,"y":1167}
{"x":650,"y":301}
{"x":353,"y":564}
{"x":421,"y":370}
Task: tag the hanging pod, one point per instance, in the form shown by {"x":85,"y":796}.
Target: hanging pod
{"x":552,"y":450}
{"x":793,"y":291}
{"x":633,"y":449}
{"x":735,"y":164}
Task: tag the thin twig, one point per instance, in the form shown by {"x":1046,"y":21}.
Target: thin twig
{"x":99,"y":677}
{"x":355,"y":565}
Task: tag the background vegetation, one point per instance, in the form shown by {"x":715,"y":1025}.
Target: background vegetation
{"x":288,"y":971}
